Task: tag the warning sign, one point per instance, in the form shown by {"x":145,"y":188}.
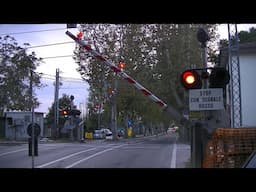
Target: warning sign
{"x":206,"y":99}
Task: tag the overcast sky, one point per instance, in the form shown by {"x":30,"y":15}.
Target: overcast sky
{"x":72,"y":83}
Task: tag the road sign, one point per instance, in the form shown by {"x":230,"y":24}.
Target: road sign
{"x":206,"y":99}
{"x":129,"y":123}
{"x":37,"y":130}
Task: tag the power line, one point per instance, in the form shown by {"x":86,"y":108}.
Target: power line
{"x":57,"y":29}
{"x":68,"y":79}
{"x":55,"y":57}
{"x":71,"y":78}
{"x":50,"y":44}
{"x":48,"y":78}
{"x":71,"y":87}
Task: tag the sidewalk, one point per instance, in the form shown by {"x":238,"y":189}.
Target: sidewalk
{"x":11,"y":142}
{"x":183,"y":155}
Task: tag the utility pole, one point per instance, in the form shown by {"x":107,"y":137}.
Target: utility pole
{"x":98,"y":111}
{"x":32,"y":118}
{"x":113,"y":110}
{"x":114,"y":99}
{"x":56,"y":105}
{"x":81,"y":126}
{"x":72,"y":117}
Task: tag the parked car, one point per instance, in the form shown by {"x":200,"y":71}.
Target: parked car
{"x":108,"y":134}
{"x":98,"y":134}
{"x":45,"y":139}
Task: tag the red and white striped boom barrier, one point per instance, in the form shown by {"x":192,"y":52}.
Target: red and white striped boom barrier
{"x":130,"y":80}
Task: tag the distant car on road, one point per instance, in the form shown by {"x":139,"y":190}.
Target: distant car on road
{"x":173,"y":129}
{"x":45,"y":139}
{"x":98,"y":134}
{"x":108,"y":134}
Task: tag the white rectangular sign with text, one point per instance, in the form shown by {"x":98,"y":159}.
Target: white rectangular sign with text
{"x":206,"y":99}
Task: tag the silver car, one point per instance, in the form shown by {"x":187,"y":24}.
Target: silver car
{"x":98,"y":134}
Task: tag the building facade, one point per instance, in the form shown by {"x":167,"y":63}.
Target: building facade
{"x":16,"y":124}
{"x":247,"y":68}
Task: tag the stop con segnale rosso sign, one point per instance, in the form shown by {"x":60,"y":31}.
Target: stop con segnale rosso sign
{"x":206,"y":99}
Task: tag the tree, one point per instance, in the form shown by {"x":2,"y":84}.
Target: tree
{"x":243,"y":36}
{"x":247,"y":36}
{"x":154,"y":54}
{"x":15,"y":67}
{"x":64,"y":101}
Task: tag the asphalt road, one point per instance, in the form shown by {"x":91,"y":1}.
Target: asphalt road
{"x":151,"y":152}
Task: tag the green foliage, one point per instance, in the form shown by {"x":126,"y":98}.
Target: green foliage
{"x":243,"y":36}
{"x":247,"y":36}
{"x":154,"y":54}
{"x":64,"y":101}
{"x":15,"y":67}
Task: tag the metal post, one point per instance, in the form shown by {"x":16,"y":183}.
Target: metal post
{"x":56,"y":104}
{"x":81,"y":127}
{"x":114,"y":112}
{"x":71,"y":130}
{"x":99,"y":109}
{"x":198,"y":138}
{"x":32,"y":117}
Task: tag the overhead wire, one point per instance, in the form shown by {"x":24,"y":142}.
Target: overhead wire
{"x":18,"y":33}
{"x":45,"y":45}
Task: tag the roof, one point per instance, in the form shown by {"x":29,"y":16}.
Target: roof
{"x":244,"y":48}
{"x":247,"y":47}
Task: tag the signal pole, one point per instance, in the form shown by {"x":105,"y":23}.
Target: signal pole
{"x":32,"y":119}
{"x":199,"y":132}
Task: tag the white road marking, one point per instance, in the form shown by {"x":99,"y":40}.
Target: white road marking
{"x":173,"y":161}
{"x":94,"y":155}
{"x":131,"y":147}
{"x":66,"y":157}
{"x":2,"y":154}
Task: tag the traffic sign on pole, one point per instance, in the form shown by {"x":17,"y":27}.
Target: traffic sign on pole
{"x":206,"y":99}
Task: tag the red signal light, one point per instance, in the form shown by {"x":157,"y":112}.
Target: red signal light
{"x":189,"y":77}
{"x":65,"y":112}
{"x":80,"y":35}
{"x":121,"y":65}
{"x":191,"y":80}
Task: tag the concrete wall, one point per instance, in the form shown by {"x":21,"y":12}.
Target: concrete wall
{"x":248,"y":89}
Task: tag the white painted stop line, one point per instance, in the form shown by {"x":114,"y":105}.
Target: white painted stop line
{"x":173,"y":161}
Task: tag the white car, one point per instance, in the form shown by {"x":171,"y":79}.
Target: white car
{"x":108,"y":134}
